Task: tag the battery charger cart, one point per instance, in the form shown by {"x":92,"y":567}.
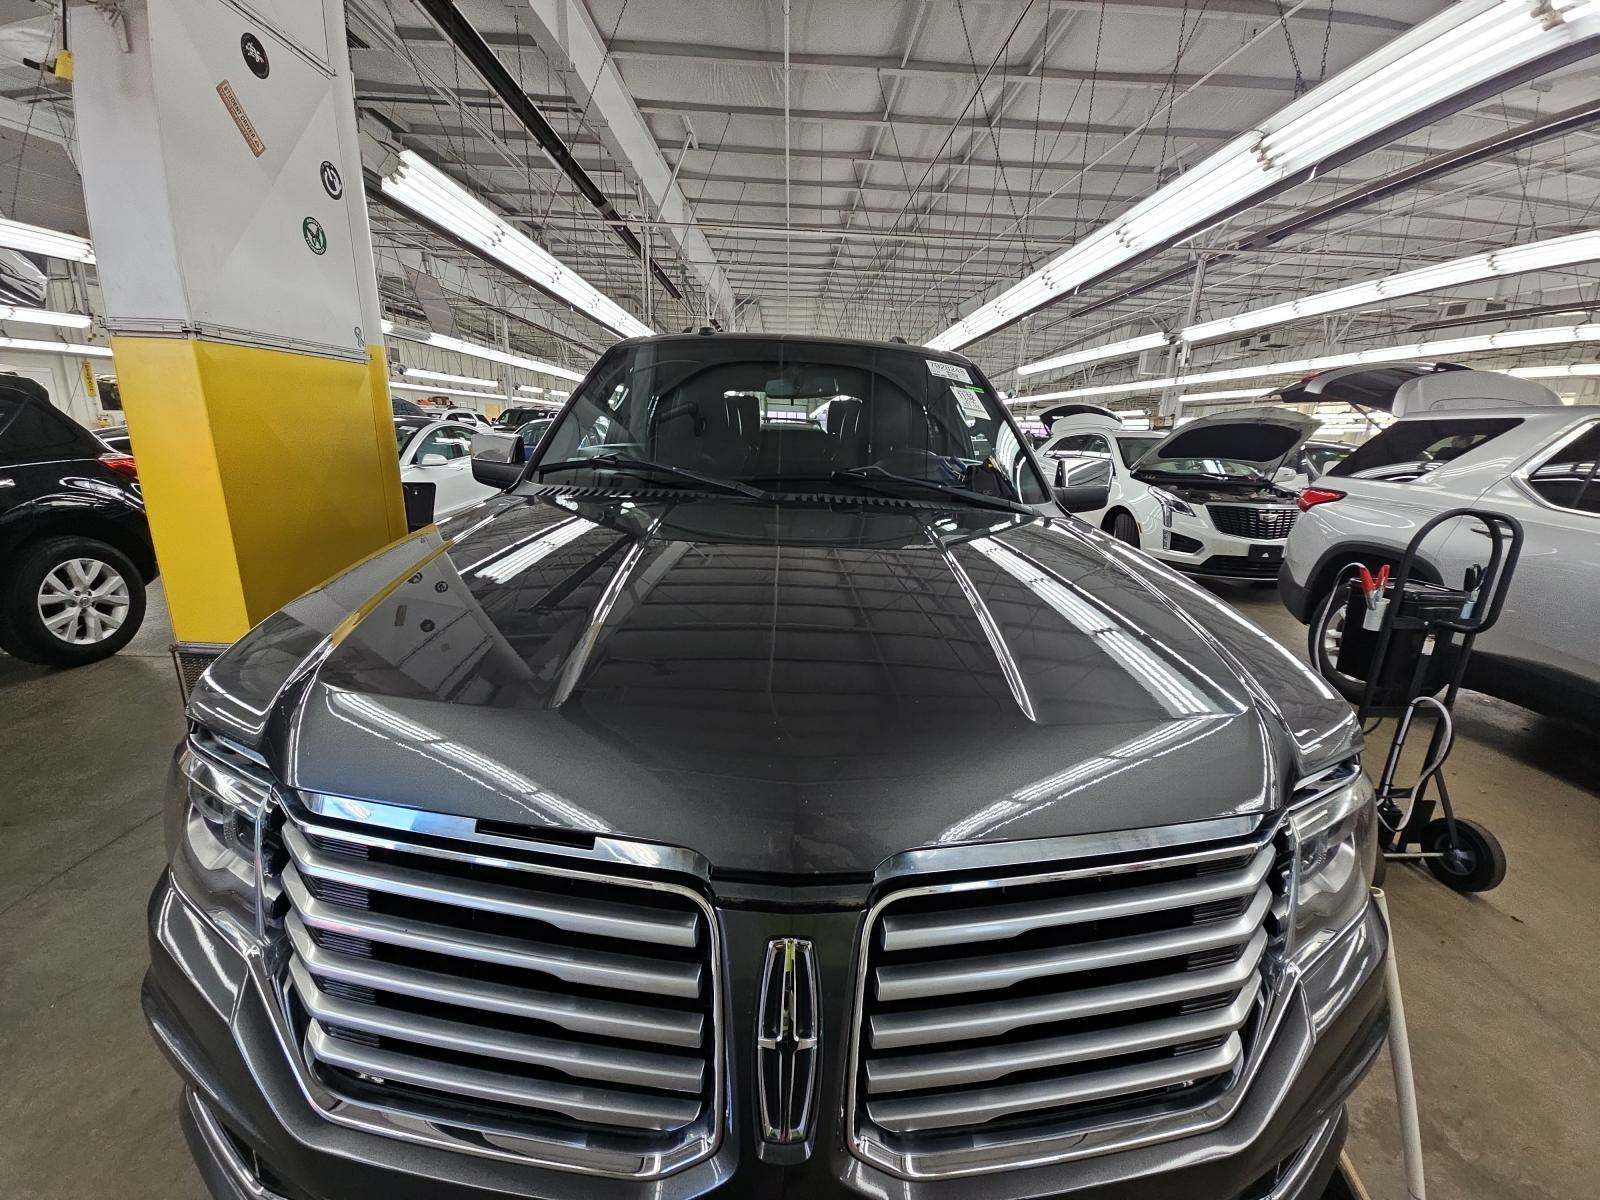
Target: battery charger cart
{"x":1411,"y":641}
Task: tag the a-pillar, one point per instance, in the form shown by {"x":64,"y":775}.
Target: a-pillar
{"x":223,"y":183}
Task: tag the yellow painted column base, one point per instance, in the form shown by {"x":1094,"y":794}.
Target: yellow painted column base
{"x":265,"y":472}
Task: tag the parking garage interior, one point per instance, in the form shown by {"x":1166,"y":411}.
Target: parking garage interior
{"x":603,"y":598}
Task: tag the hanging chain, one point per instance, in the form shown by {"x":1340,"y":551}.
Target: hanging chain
{"x":1294,"y":59}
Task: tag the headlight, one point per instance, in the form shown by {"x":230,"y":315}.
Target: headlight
{"x":1169,"y":505}
{"x":1335,"y":853}
{"x":214,"y":836}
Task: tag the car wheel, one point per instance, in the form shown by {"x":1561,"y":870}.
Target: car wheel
{"x":1125,"y":529}
{"x":1323,"y":639}
{"x":70,"y":601}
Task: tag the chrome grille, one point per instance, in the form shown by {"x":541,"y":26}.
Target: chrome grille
{"x":1024,"y":1011}
{"x":510,"y":996}
{"x":1253,"y":521}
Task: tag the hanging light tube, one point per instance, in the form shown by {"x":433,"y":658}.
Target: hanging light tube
{"x":1138,"y":345}
{"x":1515,"y":339}
{"x":1512,"y":260}
{"x":44,"y":316}
{"x":430,"y":193}
{"x":444,"y":341}
{"x":446,"y":377}
{"x":397,"y":386}
{"x":80,"y":349}
{"x":1471,"y":43}
{"x":36,"y":239}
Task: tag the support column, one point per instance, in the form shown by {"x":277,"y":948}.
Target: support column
{"x":222,"y":177}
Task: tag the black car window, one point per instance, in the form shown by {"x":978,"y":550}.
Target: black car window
{"x":32,"y":432}
{"x":1427,"y":443}
{"x":791,"y":416}
{"x":1569,"y":477}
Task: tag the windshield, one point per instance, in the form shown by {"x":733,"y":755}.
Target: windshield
{"x":1205,"y":468}
{"x":1132,"y":449}
{"x":406,"y":430}
{"x":833,"y":419}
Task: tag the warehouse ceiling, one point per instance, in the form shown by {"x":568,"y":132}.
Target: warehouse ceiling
{"x":878,"y":169}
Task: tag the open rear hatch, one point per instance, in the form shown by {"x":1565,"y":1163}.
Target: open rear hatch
{"x":1404,"y":389}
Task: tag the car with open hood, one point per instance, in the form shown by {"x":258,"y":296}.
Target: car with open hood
{"x":774,"y":791}
{"x":1464,"y":439}
{"x":1212,"y":498}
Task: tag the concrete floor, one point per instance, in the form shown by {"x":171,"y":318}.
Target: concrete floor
{"x":1502,"y":991}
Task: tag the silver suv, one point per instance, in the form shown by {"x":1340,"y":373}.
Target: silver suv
{"x":1536,"y":463}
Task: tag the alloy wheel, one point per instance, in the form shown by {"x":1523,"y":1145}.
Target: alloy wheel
{"x":83,"y":601}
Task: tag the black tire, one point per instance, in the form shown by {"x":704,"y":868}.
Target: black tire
{"x":1321,"y":650}
{"x":1477,"y":865}
{"x":23,"y":630}
{"x":1124,"y":528}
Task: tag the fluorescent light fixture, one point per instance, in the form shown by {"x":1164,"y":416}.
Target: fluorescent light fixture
{"x":558,"y":395}
{"x":1234,"y":394}
{"x":430,"y":193}
{"x":1468,"y":44}
{"x":36,"y":239}
{"x":1512,"y":260}
{"x":444,"y":377}
{"x":77,"y":348}
{"x":396,"y":385}
{"x":1559,"y":371}
{"x":443,"y":341}
{"x":527,"y":389}
{"x":1096,"y":354}
{"x":44,"y":316}
{"x":1514,"y":339}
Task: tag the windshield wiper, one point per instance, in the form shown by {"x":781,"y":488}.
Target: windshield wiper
{"x":872,"y":474}
{"x":626,"y":463}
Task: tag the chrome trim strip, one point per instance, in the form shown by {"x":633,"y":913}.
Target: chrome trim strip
{"x":1283,"y":997}
{"x":1294,"y":1178}
{"x":240,"y":1173}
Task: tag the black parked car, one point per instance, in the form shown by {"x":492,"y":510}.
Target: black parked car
{"x":75,"y":551}
{"x":774,"y":792}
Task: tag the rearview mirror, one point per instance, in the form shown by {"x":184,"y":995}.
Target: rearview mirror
{"x":1083,"y":497}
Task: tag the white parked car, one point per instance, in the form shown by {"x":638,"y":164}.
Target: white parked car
{"x":467,"y":416}
{"x":1202,"y":499}
{"x":440,"y":453}
{"x":1481,"y":440}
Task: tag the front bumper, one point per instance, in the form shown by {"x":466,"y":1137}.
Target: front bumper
{"x":1195,"y":546}
{"x":255,"y":1135}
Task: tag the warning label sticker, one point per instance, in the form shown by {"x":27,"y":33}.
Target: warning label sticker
{"x":247,"y":129}
{"x":946,"y":370}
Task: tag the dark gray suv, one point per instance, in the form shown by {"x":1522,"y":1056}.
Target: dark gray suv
{"x":773,"y":792}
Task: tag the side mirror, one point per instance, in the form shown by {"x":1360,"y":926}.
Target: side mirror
{"x":1083,"y":497}
{"x":496,"y":458}
{"x":432,"y":459}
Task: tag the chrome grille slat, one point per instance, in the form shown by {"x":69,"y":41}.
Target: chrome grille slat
{"x":950,"y":1068}
{"x":594,"y":1105}
{"x":637,"y":1068}
{"x":1253,"y":521}
{"x":1008,"y":920}
{"x":498,"y":997}
{"x":946,"y":1110}
{"x":593,"y":968}
{"x":891,"y":1031}
{"x":1003,"y":970}
{"x":580,"y":1015}
{"x":1060,"y":1007}
{"x":595,"y":918}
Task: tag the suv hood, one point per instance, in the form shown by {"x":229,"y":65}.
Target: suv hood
{"x":1258,"y":436}
{"x":787,"y":690}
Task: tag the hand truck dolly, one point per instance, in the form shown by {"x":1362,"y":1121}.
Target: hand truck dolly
{"x":1411,"y":640}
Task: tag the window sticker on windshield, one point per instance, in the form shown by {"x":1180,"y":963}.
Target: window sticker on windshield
{"x":946,"y":370}
{"x":970,"y":400}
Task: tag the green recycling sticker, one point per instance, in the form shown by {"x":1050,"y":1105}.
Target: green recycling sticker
{"x":316,"y":237}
